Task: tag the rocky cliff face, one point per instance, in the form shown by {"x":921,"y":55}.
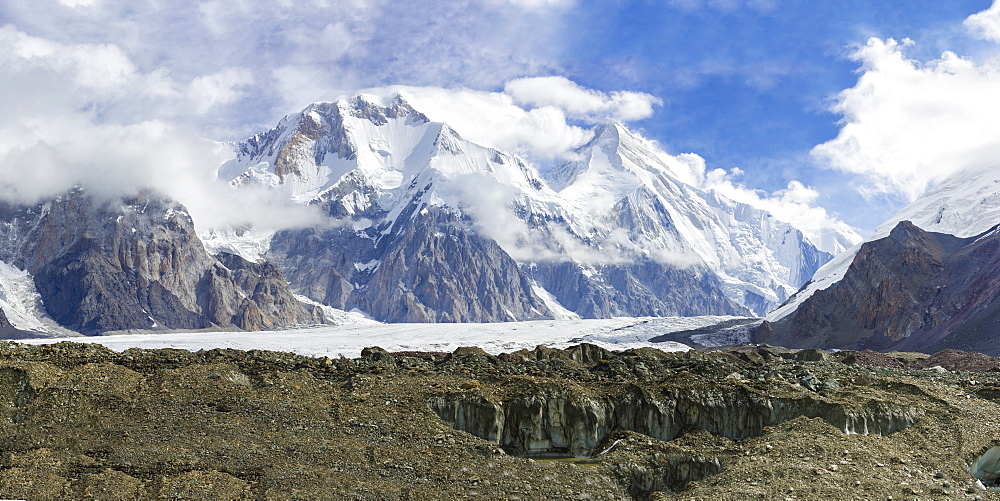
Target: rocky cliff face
{"x":136,"y":263}
{"x":436,"y":269}
{"x":913,"y":290}
{"x":644,"y":288}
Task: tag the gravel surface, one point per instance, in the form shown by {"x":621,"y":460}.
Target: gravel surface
{"x":83,"y":422}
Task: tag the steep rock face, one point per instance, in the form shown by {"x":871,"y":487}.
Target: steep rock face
{"x":436,"y":269}
{"x":440,"y":271}
{"x":135,"y":263}
{"x":646,"y":288}
{"x":912,"y":290}
{"x":552,"y":420}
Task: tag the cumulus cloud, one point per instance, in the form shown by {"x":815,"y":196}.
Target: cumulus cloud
{"x":909,"y":124}
{"x":220,"y":88}
{"x":579,"y":102}
{"x":495,"y":120}
{"x":795,"y":204}
{"x":539,"y":118}
{"x":337,"y":46}
{"x":986,"y":24}
{"x":66,"y":122}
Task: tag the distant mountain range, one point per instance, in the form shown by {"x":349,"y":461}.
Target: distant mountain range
{"x":433,"y":227}
{"x":422,"y":225}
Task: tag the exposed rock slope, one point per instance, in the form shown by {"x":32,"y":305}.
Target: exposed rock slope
{"x":912,"y":290}
{"x":964,"y":205}
{"x":136,"y":263}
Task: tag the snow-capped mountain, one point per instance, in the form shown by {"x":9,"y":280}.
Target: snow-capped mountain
{"x":428,"y":226}
{"x":925,"y":280}
{"x":963,"y":205}
{"x":624,"y":186}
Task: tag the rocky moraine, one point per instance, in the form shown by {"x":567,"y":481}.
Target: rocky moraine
{"x":81,"y":421}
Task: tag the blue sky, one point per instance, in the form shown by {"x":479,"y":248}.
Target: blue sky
{"x":816,"y":103}
{"x":748,"y":85}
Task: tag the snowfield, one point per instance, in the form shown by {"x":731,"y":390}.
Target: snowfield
{"x":348,"y":340}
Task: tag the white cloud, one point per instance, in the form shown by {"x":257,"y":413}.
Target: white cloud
{"x":221,"y":88}
{"x":535,"y":4}
{"x":530,"y":117}
{"x":795,"y":204}
{"x":69,"y":119}
{"x":986,"y":24}
{"x":579,"y":102}
{"x":493,"y":119}
{"x":75,"y":4}
{"x":909,"y":124}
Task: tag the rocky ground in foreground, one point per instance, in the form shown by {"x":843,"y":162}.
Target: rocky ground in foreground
{"x":82,"y":422}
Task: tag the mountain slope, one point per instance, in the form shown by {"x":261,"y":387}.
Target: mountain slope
{"x":134,"y":263}
{"x":964,"y":205}
{"x":623,"y":185}
{"x":912,"y":290}
{"x":614,"y":233}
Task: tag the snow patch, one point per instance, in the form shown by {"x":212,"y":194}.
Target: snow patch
{"x":249,"y":243}
{"x":19,"y":300}
{"x":369,"y":266}
{"x":559,"y":312}
{"x":334,"y":316}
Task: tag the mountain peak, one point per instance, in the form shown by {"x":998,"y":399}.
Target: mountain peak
{"x":609,"y":133}
{"x":379,"y":110}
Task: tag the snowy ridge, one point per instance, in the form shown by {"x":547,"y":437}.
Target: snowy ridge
{"x":374,"y":159}
{"x":674,"y":221}
{"x":964,"y":205}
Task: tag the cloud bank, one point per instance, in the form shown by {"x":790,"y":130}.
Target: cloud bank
{"x":909,"y":124}
{"x":579,"y":102}
{"x":66,"y":123}
{"x":540,"y":118}
{"x":122,"y":93}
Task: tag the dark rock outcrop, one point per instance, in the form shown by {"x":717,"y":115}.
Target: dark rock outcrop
{"x":136,"y":263}
{"x":913,"y":290}
{"x":554,"y":420}
{"x":436,"y":268}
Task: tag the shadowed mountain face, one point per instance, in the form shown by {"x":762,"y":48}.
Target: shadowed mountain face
{"x":136,"y":263}
{"x":912,"y":290}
